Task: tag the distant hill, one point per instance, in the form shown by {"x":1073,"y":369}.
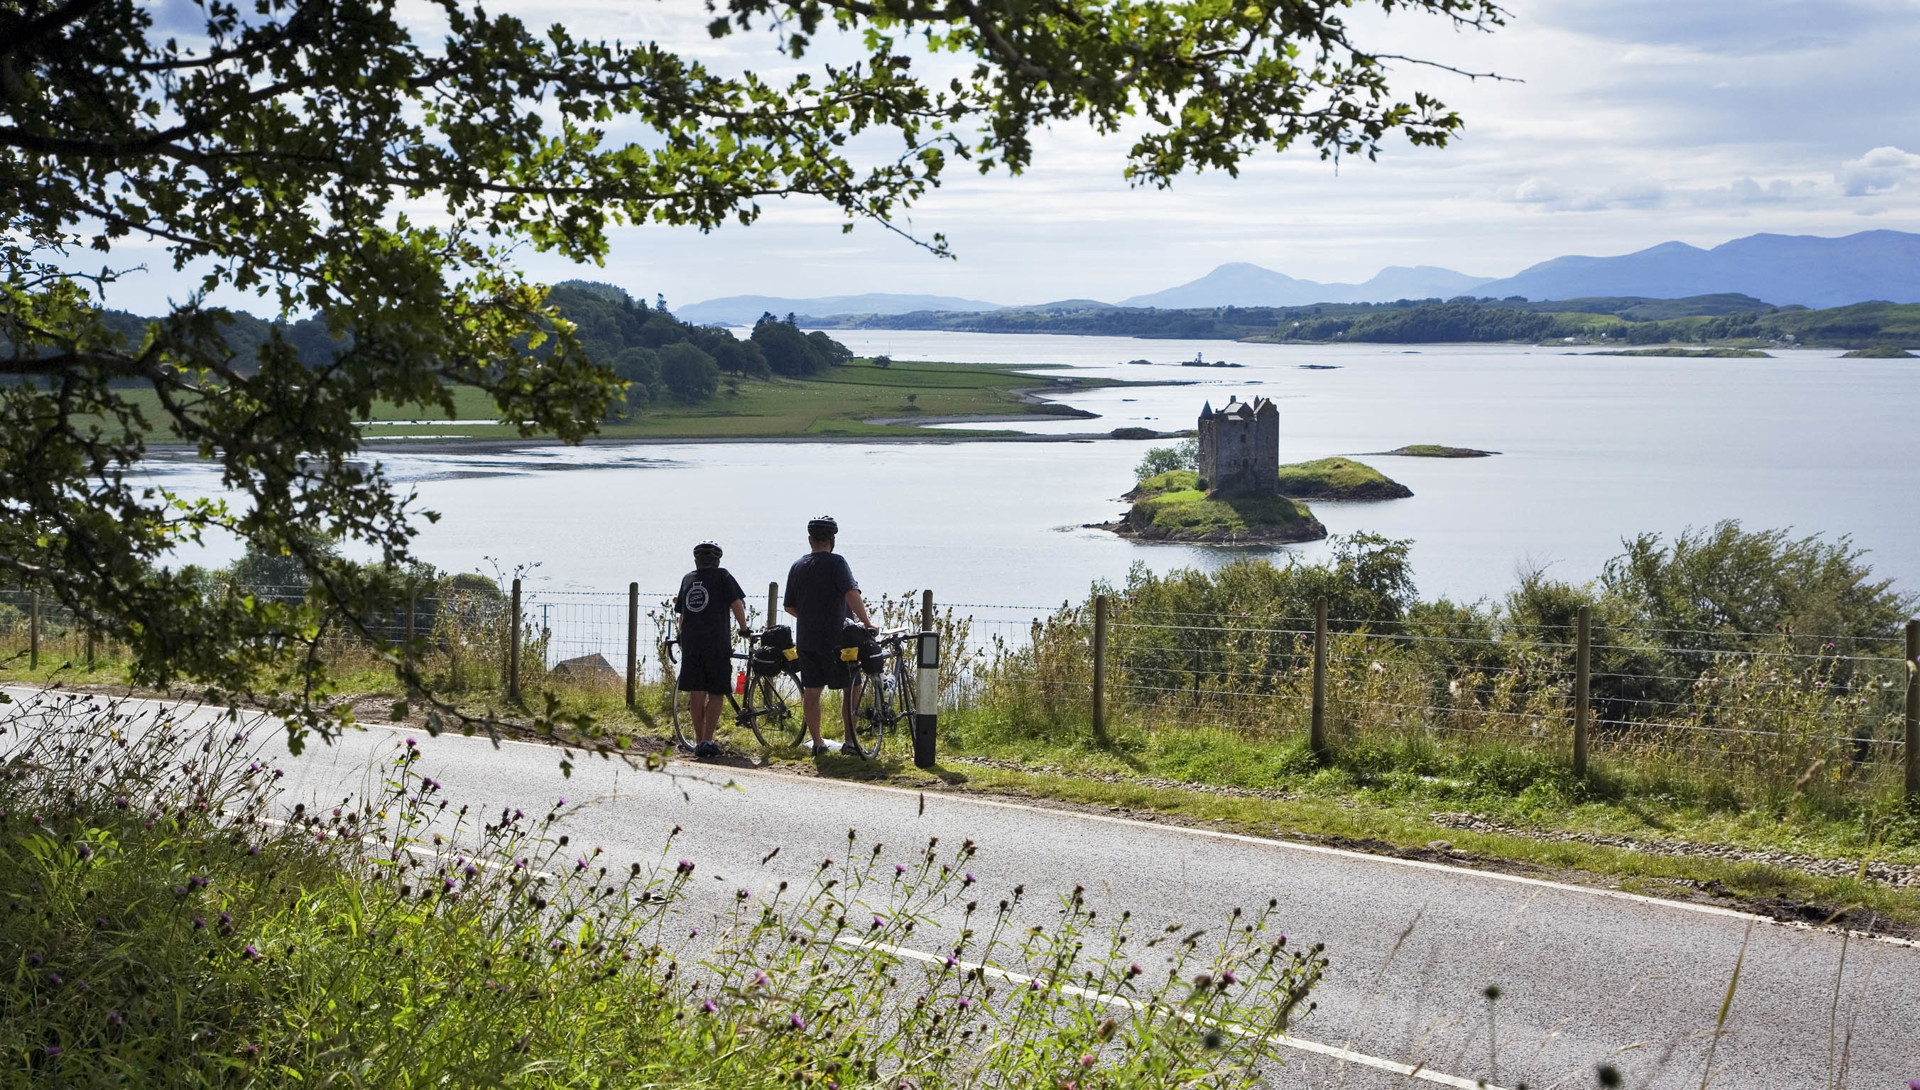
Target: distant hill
{"x":746,"y":309}
{"x":1243,"y":285}
{"x":1803,"y":269}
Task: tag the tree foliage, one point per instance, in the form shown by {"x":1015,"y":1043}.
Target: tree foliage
{"x":357,"y":171}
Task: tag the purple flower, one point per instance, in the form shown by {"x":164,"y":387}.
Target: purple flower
{"x":950,"y":962}
{"x":100,"y":922}
{"x":470,"y":870}
{"x":199,"y":924}
{"x":899,"y":869}
{"x":410,"y":743}
{"x":52,"y":1051}
{"x":1227,"y":977}
{"x":877,"y":923}
{"x":226,"y":920}
{"x":1086,"y":1060}
{"x":760,"y":978}
{"x":86,"y":850}
{"x":197,"y":882}
{"x":741,"y":894}
{"x":562,"y":802}
{"x":253,"y":849}
{"x":796,"y":1021}
{"x":967,"y":881}
{"x":252,"y":954}
{"x":120,"y":802}
{"x":710,"y":1007}
{"x":965,"y":1003}
{"x":114,"y":1019}
{"x":685,"y":867}
{"x":33,"y":961}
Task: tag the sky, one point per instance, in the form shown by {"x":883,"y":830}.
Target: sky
{"x":1621,"y":124}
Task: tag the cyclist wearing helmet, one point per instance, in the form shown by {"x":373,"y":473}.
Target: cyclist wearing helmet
{"x":821,"y":593}
{"x":706,"y":647}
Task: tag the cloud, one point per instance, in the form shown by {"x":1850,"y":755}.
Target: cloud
{"x":1878,"y":171}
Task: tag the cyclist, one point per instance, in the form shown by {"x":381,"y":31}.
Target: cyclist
{"x":821,"y":592}
{"x":706,"y":648}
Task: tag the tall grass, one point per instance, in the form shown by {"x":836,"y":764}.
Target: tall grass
{"x":169,"y":922}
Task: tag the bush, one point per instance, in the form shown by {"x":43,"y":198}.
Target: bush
{"x":1160,"y":460}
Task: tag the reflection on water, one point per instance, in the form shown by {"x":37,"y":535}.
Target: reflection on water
{"x":1596,"y":448}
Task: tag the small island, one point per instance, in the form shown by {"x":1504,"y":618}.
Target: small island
{"x":1878,"y":352}
{"x":1433,"y":450}
{"x":1690,"y":353}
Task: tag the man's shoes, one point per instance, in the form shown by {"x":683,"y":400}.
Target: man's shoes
{"x":707,"y":749}
{"x":852,"y":748}
{"x":820,"y":749}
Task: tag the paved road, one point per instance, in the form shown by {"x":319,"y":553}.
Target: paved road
{"x":1588,"y":977}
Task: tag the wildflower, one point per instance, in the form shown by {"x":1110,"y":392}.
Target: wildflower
{"x":410,"y":743}
{"x":685,"y":867}
{"x":741,"y":894}
{"x":951,"y":962}
{"x":197,"y":882}
{"x":114,"y":1019}
{"x":252,"y":954}
{"x":965,"y":1003}
{"x":710,"y":1007}
{"x":1134,"y":970}
{"x":470,"y":870}
{"x":53,"y":1051}
{"x":877,"y":924}
{"x":120,"y":802}
{"x":562,"y":802}
{"x":100,"y":922}
{"x":579,"y":864}
{"x":33,"y":961}
{"x":226,"y":921}
{"x":253,"y":849}
{"x":760,"y":979}
{"x":1227,"y":978}
{"x":199,"y":924}
{"x":250,"y":1051}
{"x":967,"y":881}
{"x":899,"y":869}
{"x":796,"y":1021}
{"x":1086,"y":1060}
{"x":86,"y":850}
{"x":179,"y":891}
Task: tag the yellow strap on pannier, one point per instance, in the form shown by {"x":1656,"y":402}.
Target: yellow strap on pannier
{"x":791,"y":653}
{"x":849,"y":654}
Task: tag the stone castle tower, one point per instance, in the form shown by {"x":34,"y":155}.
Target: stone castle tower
{"x":1240,"y":448}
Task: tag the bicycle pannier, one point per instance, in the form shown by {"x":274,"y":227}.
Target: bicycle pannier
{"x":775,"y":653}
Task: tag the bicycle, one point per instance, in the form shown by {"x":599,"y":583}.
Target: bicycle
{"x":768,"y":705}
{"x":889,"y":695}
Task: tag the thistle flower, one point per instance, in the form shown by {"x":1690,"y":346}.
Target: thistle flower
{"x":967,"y":881}
{"x":252,"y":954}
{"x":33,"y":961}
{"x":197,"y":882}
{"x":796,"y":1021}
{"x":85,"y":850}
{"x":199,"y":924}
{"x":114,"y":1019}
{"x":52,"y":1051}
{"x":710,"y":1007}
{"x":685,"y":867}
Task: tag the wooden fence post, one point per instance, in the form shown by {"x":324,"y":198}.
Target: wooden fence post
{"x":1317,"y":729}
{"x":926,"y":611}
{"x":33,"y":629}
{"x":513,"y":648}
{"x":1100,"y":667}
{"x":91,"y":635}
{"x":773,"y":602}
{"x":1582,"y":689}
{"x":633,"y":642}
{"x":1913,"y":709}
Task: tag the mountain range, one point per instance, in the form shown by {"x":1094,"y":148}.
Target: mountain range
{"x":1784,"y":270}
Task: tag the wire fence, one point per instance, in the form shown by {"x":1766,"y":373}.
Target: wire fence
{"x":1780,"y":706}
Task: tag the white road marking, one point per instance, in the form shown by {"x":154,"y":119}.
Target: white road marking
{"x":1241,"y":838}
{"x":1301,"y":1044}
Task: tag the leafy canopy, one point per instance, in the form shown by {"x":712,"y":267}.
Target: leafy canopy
{"x":344,"y":165}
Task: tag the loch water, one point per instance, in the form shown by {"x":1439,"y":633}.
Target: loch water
{"x":1592,"y":449}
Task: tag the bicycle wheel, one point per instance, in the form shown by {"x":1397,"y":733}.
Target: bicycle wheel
{"x":772,"y":711}
{"x":871,"y":714}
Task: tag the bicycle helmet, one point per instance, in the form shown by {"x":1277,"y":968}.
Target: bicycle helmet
{"x":706,"y":554}
{"x":823,"y":526}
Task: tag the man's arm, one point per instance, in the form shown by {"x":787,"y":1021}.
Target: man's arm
{"x":859,"y":607}
{"x":740,"y":612}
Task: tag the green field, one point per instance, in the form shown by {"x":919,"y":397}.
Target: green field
{"x":833,"y":404}
{"x":836,"y":403}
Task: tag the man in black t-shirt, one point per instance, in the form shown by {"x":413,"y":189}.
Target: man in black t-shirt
{"x":821,"y":592}
{"x":707,"y":593}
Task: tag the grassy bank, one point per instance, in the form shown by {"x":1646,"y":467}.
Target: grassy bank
{"x":838,"y":402}
{"x":165,"y":932}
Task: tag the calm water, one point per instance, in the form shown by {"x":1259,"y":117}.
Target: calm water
{"x":1594,"y":449}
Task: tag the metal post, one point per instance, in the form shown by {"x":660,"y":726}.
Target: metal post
{"x":513,"y":648}
{"x":926,"y":611}
{"x":633,"y":642}
{"x":1582,"y":689}
{"x":33,"y":629}
{"x":413,"y":607}
{"x":1317,"y":729}
{"x":1100,"y":667}
{"x":1913,"y":709}
{"x":926,"y":705}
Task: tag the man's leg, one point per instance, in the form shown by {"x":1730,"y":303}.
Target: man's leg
{"x":810,"y":712}
{"x":849,"y":700}
{"x":697,"y":712}
{"x":710,"y":722}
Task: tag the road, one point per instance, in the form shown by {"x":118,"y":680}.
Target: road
{"x":1587,"y":976}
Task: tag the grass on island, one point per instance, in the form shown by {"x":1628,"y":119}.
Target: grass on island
{"x":1191,"y":513}
{"x":1691,"y":353}
{"x":1878,"y":352}
{"x":1321,"y":479}
{"x":1436,"y":450}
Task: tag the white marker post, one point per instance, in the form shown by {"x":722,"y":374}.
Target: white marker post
{"x":926,"y":705}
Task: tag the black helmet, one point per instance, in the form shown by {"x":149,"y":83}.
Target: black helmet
{"x":823,"y":526}
{"x":706,"y":553}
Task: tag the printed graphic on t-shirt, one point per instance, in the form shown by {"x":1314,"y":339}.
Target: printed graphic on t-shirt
{"x":696,"y":598}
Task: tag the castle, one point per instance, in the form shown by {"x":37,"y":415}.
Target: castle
{"x":1240,"y":448}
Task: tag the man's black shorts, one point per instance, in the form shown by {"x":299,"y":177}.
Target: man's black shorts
{"x":706,"y":670}
{"x":823,"y":670}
